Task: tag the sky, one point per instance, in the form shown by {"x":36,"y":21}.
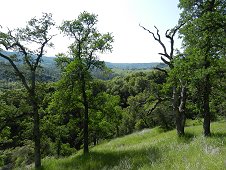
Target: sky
{"x":120,"y":17}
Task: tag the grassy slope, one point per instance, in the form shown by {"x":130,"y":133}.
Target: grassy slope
{"x":152,"y":149}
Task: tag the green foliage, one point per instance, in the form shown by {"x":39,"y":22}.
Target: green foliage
{"x":18,"y":156}
{"x":201,"y":64}
{"x":15,"y":124}
{"x":139,"y":92}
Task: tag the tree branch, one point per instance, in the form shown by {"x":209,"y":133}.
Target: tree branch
{"x":15,"y":44}
{"x":162,"y":70}
{"x":158,"y":39}
{"x":18,"y":72}
{"x":171,"y":37}
{"x":155,"y":106}
{"x":166,"y":62}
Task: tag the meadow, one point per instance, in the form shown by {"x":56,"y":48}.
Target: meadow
{"x":152,"y":149}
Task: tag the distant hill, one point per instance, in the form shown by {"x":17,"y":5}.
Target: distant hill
{"x":50,"y":62}
{"x":50,"y":72}
{"x":134,"y":66}
{"x":46,"y":61}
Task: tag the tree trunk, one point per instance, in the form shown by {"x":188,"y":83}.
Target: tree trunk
{"x":59,"y":147}
{"x":36,"y":135}
{"x":207,"y":83}
{"x":117,"y":131}
{"x":206,"y":95}
{"x":179,"y":109}
{"x":36,"y":132}
{"x":183,"y":98}
{"x":94,"y":139}
{"x":180,"y":123}
{"x":86,"y":116}
{"x":206,"y":108}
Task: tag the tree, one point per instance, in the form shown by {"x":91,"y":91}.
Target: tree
{"x":87,"y":43}
{"x":36,"y":34}
{"x":178,"y":86}
{"x":204,"y":43}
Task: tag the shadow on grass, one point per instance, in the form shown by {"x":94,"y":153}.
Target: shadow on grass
{"x":129,"y":159}
{"x":186,"y":138}
{"x":218,"y":135}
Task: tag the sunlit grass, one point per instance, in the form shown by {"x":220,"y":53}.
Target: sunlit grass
{"x":152,"y":149}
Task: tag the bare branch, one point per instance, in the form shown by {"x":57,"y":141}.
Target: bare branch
{"x":23,"y":50}
{"x":166,"y":55}
{"x":162,"y":70}
{"x":166,"y":62}
{"x":158,"y":39}
{"x":40,"y":54}
{"x":15,"y":45}
{"x":170,"y":35}
{"x":157,"y":30}
{"x":42,"y":49}
{"x":149,"y":32}
{"x":159,"y":100}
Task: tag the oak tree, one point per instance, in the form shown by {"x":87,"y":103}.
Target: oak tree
{"x":87,"y":43}
{"x":204,"y":42}
{"x":29,"y":45}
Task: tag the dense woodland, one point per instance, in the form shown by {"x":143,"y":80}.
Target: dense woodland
{"x":55,"y":110}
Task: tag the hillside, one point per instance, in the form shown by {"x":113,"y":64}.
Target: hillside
{"x":134,"y":66}
{"x":153,"y":149}
{"x":48,"y":61}
{"x":50,"y":72}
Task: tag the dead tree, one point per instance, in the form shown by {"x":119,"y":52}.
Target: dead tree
{"x":179,"y":90}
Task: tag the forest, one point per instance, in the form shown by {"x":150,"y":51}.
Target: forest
{"x":73,"y":103}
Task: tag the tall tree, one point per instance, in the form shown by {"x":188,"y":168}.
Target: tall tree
{"x":29,"y":43}
{"x":204,"y":36}
{"x":87,"y":43}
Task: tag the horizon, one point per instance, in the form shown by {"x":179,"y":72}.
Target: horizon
{"x":47,"y":56}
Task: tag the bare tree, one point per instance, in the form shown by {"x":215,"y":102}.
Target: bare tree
{"x":179,"y":91}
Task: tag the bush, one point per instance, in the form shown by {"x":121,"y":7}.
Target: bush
{"x":5,"y":157}
{"x":22,"y":156}
{"x":17,"y":157}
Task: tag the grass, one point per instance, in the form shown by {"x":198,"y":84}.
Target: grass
{"x":152,"y":149}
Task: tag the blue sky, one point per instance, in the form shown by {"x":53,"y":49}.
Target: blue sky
{"x":121,"y":17}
